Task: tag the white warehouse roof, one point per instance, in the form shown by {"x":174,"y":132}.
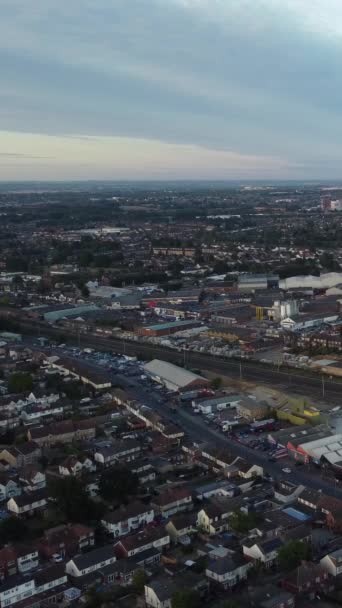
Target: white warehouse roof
{"x":329,"y":447}
{"x":171,"y":375}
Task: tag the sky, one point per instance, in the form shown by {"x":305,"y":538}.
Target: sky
{"x":170,"y":89}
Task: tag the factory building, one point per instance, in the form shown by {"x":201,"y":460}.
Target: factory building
{"x":252,"y":282}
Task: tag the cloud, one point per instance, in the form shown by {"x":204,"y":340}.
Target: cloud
{"x":253,"y":79}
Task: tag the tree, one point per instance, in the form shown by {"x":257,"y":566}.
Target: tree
{"x":227,"y":604}
{"x":216,"y":383}
{"x":85,"y":291}
{"x":139,"y":580}
{"x":185,"y":598}
{"x":118,"y":483}
{"x":291,"y":554}
{"x":20,"y":382}
{"x":73,"y":501}
{"x":12,"y":529}
{"x":242,"y":522}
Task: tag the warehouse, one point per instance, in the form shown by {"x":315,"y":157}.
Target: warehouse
{"x":80,"y":370}
{"x":173,"y":377}
{"x":165,"y":329}
{"x":323,"y":445}
{"x":57,"y":313}
{"x":297,"y":435}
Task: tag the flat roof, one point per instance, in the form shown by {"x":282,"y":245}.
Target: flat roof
{"x":171,"y":324}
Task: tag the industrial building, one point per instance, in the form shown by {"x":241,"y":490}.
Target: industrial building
{"x":327,"y":448}
{"x":173,"y":377}
{"x":251,"y":282}
{"x":165,"y":329}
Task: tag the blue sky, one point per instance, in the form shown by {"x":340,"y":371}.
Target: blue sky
{"x":168,"y":89}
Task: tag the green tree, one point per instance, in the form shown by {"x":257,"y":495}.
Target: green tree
{"x":291,"y":554}
{"x":139,"y":580}
{"x":20,"y":382}
{"x":227,"y":604}
{"x":242,"y":522}
{"x":216,"y":383}
{"x":118,"y":483}
{"x":85,"y":291}
{"x":185,"y":598}
{"x":73,"y":501}
{"x":12,"y":529}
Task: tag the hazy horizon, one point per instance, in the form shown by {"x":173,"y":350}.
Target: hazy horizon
{"x":165,"y":90}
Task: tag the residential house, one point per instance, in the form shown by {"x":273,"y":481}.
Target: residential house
{"x":32,"y":478}
{"x":27,"y":558}
{"x":74,"y":465}
{"x":8,"y":487}
{"x":332,"y":509}
{"x":172,"y":501}
{"x":85,"y":430}
{"x":308,"y":579}
{"x":51,"y":578}
{"x":310,"y":498}
{"x":180,"y":527}
{"x":62,"y":432}
{"x":149,"y":538}
{"x":28,"y":504}
{"x":34,"y":413}
{"x":270,"y":596}
{"x":227,"y":571}
{"x":87,"y":563}
{"x":332,"y":563}
{"x":264,"y":551}
{"x":121,"y":451}
{"x":21,"y":455}
{"x":144,"y":470}
{"x":45,"y":585}
{"x":48,"y":435}
{"x":8,"y":562}
{"x":66,"y":540}
{"x":246,"y":470}
{"x":287,"y":492}
{"x":15,"y":589}
{"x":159,"y":592}
{"x":214,"y":515}
{"x":127,"y":519}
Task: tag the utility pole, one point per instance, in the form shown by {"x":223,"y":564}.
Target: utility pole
{"x":323,"y":386}
{"x":240,"y":370}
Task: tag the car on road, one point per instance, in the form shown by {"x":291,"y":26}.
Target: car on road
{"x":287,"y":470}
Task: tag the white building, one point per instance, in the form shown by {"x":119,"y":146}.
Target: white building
{"x":90,"y":562}
{"x":8,"y":488}
{"x":332,"y":562}
{"x":127,"y":519}
{"x":173,"y":377}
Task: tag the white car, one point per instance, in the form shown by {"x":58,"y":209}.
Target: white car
{"x":57,"y":558}
{"x":286,"y":470}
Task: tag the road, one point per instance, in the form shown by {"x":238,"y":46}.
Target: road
{"x":197,"y":429}
{"x":296,"y":381}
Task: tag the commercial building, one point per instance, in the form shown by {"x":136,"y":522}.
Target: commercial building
{"x":173,"y":377}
